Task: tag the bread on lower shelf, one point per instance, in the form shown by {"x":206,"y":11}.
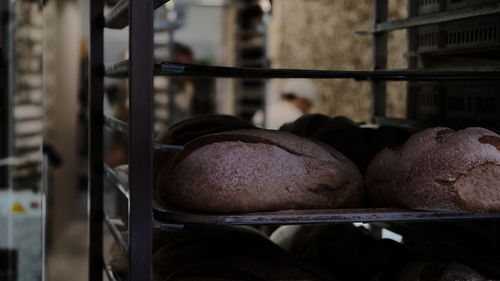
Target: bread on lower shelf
{"x":439,"y":169}
{"x":259,"y":170}
{"x":352,"y":253}
{"x":420,"y":271}
{"x":119,"y":262}
{"x":221,"y":254}
{"x":343,"y":250}
{"x":456,"y":271}
{"x":427,"y":271}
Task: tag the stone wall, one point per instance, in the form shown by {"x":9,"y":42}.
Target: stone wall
{"x":320,"y":34}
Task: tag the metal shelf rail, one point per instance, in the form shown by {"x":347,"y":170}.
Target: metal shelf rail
{"x":446,"y":16}
{"x":140,"y":14}
{"x":382,"y":26}
{"x":139,"y":69}
{"x":183,"y":217}
{"x":120,"y":70}
{"x":167,"y":217}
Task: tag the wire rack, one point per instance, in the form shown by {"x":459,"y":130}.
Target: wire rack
{"x":144,"y":214}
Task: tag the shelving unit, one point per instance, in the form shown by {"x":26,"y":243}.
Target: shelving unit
{"x":466,"y":35}
{"x":162,"y":85}
{"x":21,"y":111}
{"x":4,"y":91}
{"x":144,"y":214}
{"x":251,"y":37}
{"x":26,"y":96}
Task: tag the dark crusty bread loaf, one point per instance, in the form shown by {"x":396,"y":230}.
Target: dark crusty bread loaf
{"x":218,"y":253}
{"x":427,"y":271}
{"x":420,"y":271}
{"x":356,"y":143}
{"x":345,"y":251}
{"x":185,"y":131}
{"x":119,"y":262}
{"x":439,"y":169}
{"x":460,"y":272}
{"x":259,"y":170}
{"x":210,"y":271}
{"x":231,"y":254}
{"x":334,"y":248}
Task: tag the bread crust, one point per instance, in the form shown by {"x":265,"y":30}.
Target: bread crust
{"x":439,"y":169}
{"x":259,"y":170}
{"x":232,"y":254}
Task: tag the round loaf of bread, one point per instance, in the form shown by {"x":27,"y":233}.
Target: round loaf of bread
{"x":187,"y":130}
{"x":259,"y":170}
{"x":359,"y":144}
{"x":234,"y":254}
{"x":457,"y":271}
{"x":343,"y":250}
{"x":439,"y":169}
{"x":420,"y":271}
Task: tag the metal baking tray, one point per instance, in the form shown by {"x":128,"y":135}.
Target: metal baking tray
{"x":172,"y":216}
{"x":180,"y":216}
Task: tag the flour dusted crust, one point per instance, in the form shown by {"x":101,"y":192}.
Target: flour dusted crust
{"x":439,"y":169}
{"x":259,"y":170}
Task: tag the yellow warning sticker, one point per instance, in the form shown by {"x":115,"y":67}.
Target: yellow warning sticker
{"x":17,"y":208}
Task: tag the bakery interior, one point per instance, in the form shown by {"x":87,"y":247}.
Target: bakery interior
{"x":249,"y":140}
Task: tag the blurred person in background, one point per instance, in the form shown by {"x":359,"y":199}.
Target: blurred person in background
{"x":192,"y":95}
{"x":181,"y":89}
{"x":296,"y":99}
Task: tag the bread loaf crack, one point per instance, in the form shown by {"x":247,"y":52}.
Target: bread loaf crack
{"x":491,"y":140}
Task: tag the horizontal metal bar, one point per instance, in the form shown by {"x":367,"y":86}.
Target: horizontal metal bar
{"x":168,"y":148}
{"x":478,"y":68}
{"x":399,"y":122}
{"x":117,"y":181}
{"x":211,"y":3}
{"x":416,"y":125}
{"x":167,"y":226}
{"x":111,"y":2}
{"x":118,"y":15}
{"x":115,"y":124}
{"x":160,"y":45}
{"x":120,"y":70}
{"x":166,"y":27}
{"x":311,"y":216}
{"x":117,"y":70}
{"x":483,"y":10}
{"x":16,"y":161}
{"x":109,"y":273}
{"x":111,"y":224}
{"x":117,"y":18}
{"x":176,"y":69}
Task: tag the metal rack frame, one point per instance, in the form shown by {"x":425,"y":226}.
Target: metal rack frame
{"x":4,"y":91}
{"x":137,"y":188}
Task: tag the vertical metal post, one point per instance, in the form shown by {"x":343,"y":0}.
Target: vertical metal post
{"x":45,"y":187}
{"x":381,"y":9}
{"x":96,"y":167}
{"x":9,"y":45}
{"x":140,"y":139}
{"x":412,"y":58}
{"x":172,"y":81}
{"x":4,"y":91}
